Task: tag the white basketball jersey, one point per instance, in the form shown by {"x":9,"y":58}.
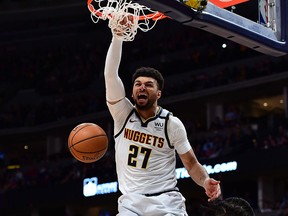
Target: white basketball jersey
{"x":145,"y":158}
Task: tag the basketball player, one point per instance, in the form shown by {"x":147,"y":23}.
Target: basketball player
{"x":147,"y":138}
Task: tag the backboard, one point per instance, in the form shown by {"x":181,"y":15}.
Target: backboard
{"x":267,"y":35}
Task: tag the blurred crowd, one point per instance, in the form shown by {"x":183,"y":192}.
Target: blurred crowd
{"x":52,"y":83}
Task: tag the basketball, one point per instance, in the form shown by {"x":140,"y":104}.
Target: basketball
{"x":88,"y":142}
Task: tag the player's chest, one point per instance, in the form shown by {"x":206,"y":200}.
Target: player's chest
{"x":150,"y":133}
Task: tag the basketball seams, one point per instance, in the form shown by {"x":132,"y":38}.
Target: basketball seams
{"x":91,"y":142}
{"x":101,"y":135}
{"x":104,"y":149}
{"x":87,"y":151}
{"x":78,"y":129}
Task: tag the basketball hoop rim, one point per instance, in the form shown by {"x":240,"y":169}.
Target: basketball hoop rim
{"x":154,"y":16}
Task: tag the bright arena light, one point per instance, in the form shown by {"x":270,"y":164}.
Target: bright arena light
{"x":217,"y":168}
{"x":92,"y":188}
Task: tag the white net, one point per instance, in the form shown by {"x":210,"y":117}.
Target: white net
{"x":125,"y":18}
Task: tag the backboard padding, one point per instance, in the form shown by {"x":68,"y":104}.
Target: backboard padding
{"x":230,"y":25}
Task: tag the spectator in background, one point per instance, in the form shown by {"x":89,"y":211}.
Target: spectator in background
{"x":232,"y":206}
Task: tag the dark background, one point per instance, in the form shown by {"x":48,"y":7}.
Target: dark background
{"x":51,"y":78}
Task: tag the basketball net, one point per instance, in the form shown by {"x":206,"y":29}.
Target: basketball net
{"x":125,"y":18}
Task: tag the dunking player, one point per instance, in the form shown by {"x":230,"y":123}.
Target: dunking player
{"x":147,"y":138}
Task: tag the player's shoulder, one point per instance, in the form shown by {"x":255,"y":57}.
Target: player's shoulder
{"x":123,"y":104}
{"x":174,"y":120}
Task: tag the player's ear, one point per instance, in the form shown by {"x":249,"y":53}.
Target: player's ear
{"x":158,"y":94}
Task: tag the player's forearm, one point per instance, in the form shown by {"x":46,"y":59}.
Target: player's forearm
{"x":199,"y":174}
{"x":113,"y":58}
{"x":114,"y":87}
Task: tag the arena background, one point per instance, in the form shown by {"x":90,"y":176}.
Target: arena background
{"x":232,"y":100}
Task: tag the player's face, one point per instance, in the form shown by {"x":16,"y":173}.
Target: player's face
{"x":145,"y":92}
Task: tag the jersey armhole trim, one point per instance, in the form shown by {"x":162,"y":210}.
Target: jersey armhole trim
{"x":116,"y":135}
{"x":166,"y":130}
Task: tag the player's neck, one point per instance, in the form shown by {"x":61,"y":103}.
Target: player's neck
{"x":146,"y":114}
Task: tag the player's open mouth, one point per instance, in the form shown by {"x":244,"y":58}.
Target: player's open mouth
{"x":142,"y":97}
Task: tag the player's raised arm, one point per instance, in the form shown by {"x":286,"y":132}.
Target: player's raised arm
{"x":114,"y":87}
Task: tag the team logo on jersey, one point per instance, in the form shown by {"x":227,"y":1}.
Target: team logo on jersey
{"x":159,"y":126}
{"x":140,"y":137}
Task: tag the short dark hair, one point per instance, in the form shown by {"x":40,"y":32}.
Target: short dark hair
{"x":232,"y":206}
{"x":149,"y":72}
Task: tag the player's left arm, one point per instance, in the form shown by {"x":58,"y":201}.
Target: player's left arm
{"x":197,"y":172}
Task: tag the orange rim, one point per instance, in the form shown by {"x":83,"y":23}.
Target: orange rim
{"x":154,"y":16}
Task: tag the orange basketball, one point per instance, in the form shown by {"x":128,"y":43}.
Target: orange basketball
{"x":88,"y":142}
